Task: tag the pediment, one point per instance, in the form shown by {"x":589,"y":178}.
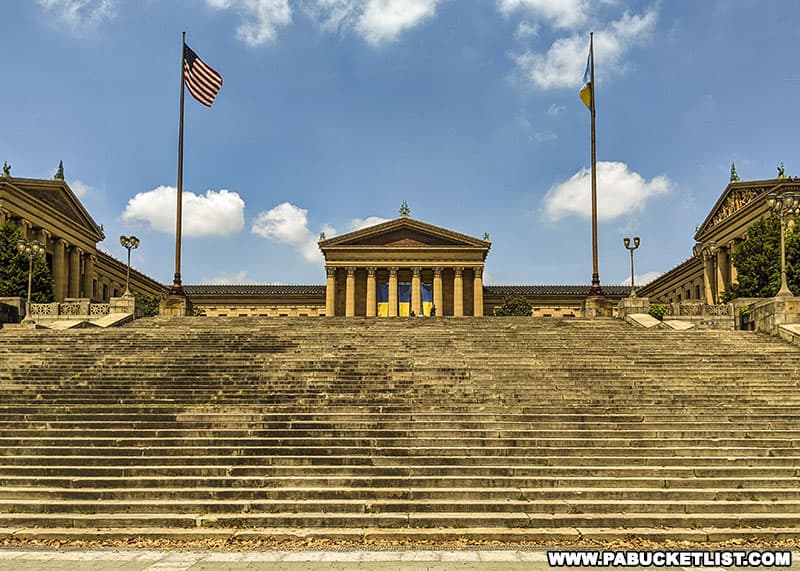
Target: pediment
{"x":59,"y":197}
{"x":736,"y":197}
{"x":405,"y":233}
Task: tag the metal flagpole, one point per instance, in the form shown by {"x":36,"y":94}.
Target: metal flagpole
{"x":595,"y":290}
{"x":177,"y":289}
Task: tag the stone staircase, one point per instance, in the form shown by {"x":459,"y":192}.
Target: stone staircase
{"x":493,"y":428}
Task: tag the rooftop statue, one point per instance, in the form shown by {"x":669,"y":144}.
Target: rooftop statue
{"x":60,"y":172}
{"x":6,"y":169}
{"x":405,"y":211}
{"x":781,"y":173}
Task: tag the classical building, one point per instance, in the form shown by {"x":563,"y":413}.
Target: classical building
{"x":49,"y":211}
{"x":710,"y":271}
{"x":389,"y":269}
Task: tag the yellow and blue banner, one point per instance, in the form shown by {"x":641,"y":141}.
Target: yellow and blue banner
{"x":383,"y":300}
{"x":586,"y":90}
{"x":404,"y":297}
{"x":427,"y":299}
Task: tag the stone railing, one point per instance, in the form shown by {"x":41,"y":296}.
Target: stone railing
{"x":69,"y":309}
{"x":690,"y":309}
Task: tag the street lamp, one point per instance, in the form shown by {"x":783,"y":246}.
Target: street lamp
{"x":786,"y":204}
{"x":627,"y":242}
{"x":130,"y":243}
{"x":30,"y":250}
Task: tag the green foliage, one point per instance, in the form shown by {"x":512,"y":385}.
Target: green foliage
{"x":514,"y":305}
{"x":658,"y":310}
{"x":14,"y":270}
{"x":758,"y":261}
{"x":151,"y":303}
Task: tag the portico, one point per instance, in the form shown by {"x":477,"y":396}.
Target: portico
{"x":401,"y":266}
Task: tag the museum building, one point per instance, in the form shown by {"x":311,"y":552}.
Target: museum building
{"x":397,"y":268}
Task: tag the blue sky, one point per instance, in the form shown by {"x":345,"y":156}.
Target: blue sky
{"x":335,"y":111}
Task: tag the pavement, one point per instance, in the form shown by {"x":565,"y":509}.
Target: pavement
{"x":117,"y":559}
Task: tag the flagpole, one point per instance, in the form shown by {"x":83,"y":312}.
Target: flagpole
{"x":177,"y":288}
{"x":595,"y":290}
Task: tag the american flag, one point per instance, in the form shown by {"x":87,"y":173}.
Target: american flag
{"x":203,"y":82}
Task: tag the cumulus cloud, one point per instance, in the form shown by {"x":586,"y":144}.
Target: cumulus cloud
{"x":384,"y":20}
{"x":641,"y":279}
{"x":216,"y":213}
{"x":79,"y":15}
{"x":229,"y":278}
{"x":288,"y":224}
{"x":359,"y":223}
{"x":260,"y":18}
{"x":80,"y":188}
{"x":620,"y":191}
{"x":558,"y":13}
{"x":563,"y":64}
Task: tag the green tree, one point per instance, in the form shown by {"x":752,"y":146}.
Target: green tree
{"x":514,"y":305}
{"x":758,"y":261}
{"x":14,"y":270}
{"x":151,"y":303}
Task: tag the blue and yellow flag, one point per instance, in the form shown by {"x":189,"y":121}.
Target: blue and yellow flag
{"x":383,"y":300}
{"x":404,"y":297}
{"x":586,"y":90}
{"x":427,"y":299}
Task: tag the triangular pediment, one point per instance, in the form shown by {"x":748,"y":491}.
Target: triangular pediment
{"x":404,"y":233}
{"x":57,"y":195}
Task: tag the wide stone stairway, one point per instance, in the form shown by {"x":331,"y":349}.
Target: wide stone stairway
{"x":492,"y":428}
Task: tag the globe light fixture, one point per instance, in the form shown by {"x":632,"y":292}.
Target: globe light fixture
{"x":627,"y":242}
{"x":129,"y":243}
{"x":784,"y":205}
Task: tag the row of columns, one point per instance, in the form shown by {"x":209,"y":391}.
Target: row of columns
{"x":72,"y":269}
{"x":416,"y":291}
{"x":719,"y":272}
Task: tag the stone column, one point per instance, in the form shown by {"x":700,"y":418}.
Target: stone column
{"x":438,"y":294}
{"x":350,"y":293}
{"x":88,"y":275}
{"x":5,"y":215}
{"x":458,"y":293}
{"x":372,"y":305}
{"x":74,"y":272}
{"x":27,"y":229}
{"x":708,"y":278}
{"x":60,"y":269}
{"x":722,"y":270}
{"x":392,"y":292}
{"x":416,"y":291}
{"x":477,"y":292}
{"x":330,"y":291}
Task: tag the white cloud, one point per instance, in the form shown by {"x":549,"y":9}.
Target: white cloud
{"x":80,"y":188}
{"x":559,"y":13}
{"x":555,"y":110}
{"x":229,"y":278}
{"x":359,"y":223}
{"x":260,"y":18}
{"x":526,"y":30}
{"x":619,"y":192}
{"x":217,"y":213}
{"x":377,"y":21}
{"x":641,"y":279}
{"x":565,"y":61}
{"x":288,"y":224}
{"x":80,"y":15}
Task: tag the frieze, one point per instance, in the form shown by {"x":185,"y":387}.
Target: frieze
{"x":736,"y":200}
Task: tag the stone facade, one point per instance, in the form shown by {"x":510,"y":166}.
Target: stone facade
{"x":710,"y":271}
{"x":48,"y":211}
{"x":400,"y":251}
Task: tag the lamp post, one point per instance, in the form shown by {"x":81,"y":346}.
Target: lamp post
{"x":30,"y":250}
{"x":786,"y":204}
{"x":627,"y":242}
{"x":129,"y":243}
